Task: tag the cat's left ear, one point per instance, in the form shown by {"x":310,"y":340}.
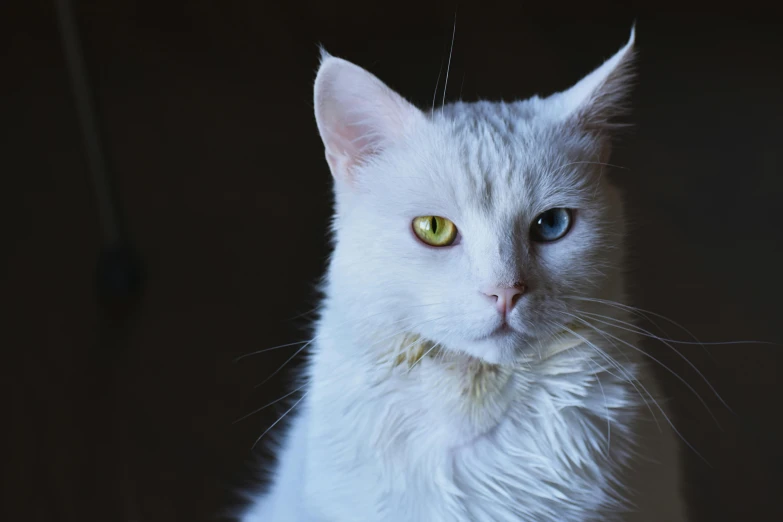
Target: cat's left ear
{"x":358,"y":116}
{"x":599,"y":98}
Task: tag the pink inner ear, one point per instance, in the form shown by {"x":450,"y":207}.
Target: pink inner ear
{"x":341,"y":162}
{"x":357,"y":114}
{"x":347,"y":141}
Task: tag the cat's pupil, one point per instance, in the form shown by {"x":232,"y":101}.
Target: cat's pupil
{"x":551,"y":219}
{"x":434,"y":225}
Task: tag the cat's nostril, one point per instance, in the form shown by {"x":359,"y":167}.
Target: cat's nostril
{"x":513,"y":294}
{"x":506,"y":297}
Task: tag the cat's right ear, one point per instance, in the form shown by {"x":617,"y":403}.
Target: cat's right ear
{"x":598,"y":98}
{"x":358,"y":116}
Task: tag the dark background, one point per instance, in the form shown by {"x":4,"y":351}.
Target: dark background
{"x":125,"y":412}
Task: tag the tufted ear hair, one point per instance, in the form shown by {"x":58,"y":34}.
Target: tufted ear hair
{"x":598,"y":98}
{"x":357,"y":114}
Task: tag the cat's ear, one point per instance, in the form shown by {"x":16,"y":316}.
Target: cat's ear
{"x":600,"y":97}
{"x":358,"y":116}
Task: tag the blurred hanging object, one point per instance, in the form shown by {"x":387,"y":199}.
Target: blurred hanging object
{"x":119,"y":268}
{"x":119,"y":283}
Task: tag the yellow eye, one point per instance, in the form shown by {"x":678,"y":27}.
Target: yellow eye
{"x":435,"y":230}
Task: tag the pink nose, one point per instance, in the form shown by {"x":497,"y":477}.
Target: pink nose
{"x":506,"y":297}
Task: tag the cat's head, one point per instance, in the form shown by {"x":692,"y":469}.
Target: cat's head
{"x":476,"y":224}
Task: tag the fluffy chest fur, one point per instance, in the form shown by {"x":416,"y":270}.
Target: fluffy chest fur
{"x":449,"y":438}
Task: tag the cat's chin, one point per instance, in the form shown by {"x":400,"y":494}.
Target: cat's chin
{"x":501,"y":348}
{"x":506,"y":346}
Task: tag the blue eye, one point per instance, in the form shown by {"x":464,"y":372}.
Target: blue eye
{"x":551,"y":225}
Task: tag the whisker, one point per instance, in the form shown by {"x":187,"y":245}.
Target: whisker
{"x":448,"y":67}
{"x":628,"y":378}
{"x":435,"y":93}
{"x":561,"y":167}
{"x":620,"y":352}
{"x":644,"y":314}
{"x":642,"y":331}
{"x":257,"y":352}
{"x":278,"y":420}
{"x":606,"y":407}
{"x":308,"y":312}
{"x":284,"y":364}
{"x":270,"y":404}
{"x":639,"y":313}
{"x":270,"y":349}
{"x":682,"y":380}
{"x":677,"y":341}
{"x":422,"y":357}
{"x":395,"y":334}
{"x":666,"y":417}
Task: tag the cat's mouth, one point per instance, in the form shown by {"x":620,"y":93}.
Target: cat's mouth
{"x":503,"y":330}
{"x":516,"y":345}
{"x":534,"y":346}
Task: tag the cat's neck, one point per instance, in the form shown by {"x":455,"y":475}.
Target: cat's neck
{"x":412,"y":414}
{"x":442,"y":390}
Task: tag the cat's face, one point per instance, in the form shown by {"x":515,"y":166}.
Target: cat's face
{"x":475,"y":225}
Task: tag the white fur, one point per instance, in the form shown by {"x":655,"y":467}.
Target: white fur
{"x":534,"y":426}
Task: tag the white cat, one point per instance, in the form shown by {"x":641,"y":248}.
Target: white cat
{"x":473,"y":360}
